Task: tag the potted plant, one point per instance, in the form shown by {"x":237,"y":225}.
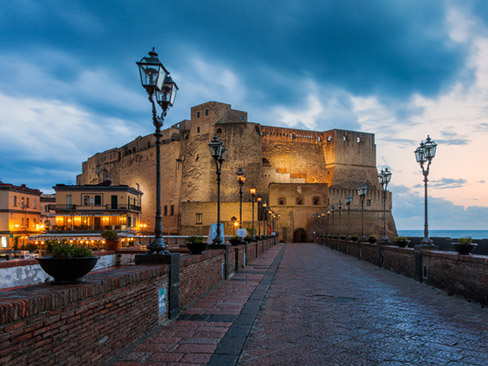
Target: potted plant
{"x":112,"y":239}
{"x":354,"y":238}
{"x":464,"y":246}
{"x":401,"y":241}
{"x":235,"y":240}
{"x":67,"y":263}
{"x":372,"y":239}
{"x":196,"y":245}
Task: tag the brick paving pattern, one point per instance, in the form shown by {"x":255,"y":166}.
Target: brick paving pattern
{"x":325,"y":308}
{"x":305,"y":304}
{"x":194,"y":337}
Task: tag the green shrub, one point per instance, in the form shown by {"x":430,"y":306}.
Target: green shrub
{"x":195,"y":240}
{"x":62,"y":249}
{"x":372,"y":239}
{"x":465,"y":241}
{"x":110,"y":235}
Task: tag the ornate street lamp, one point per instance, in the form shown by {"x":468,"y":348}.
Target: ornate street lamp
{"x":332,"y":210}
{"x":217,"y":150}
{"x":339,"y":207}
{"x":252,"y":193}
{"x":348,"y":205}
{"x":384,"y":178}
{"x":362,"y":192}
{"x":161,"y":90}
{"x":259,"y":200}
{"x":265,"y":218}
{"x":241,"y":179}
{"x":424,"y":155}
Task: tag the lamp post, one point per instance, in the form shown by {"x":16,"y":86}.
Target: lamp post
{"x":332,"y":210}
{"x":348,"y":205}
{"x":252,"y":192}
{"x":259,"y":200}
{"x":265,"y":218}
{"x":161,"y":90}
{"x":384,"y":177}
{"x":339,"y":206}
{"x":362,"y":192}
{"x":241,"y":179}
{"x":424,"y":155}
{"x":217,"y":150}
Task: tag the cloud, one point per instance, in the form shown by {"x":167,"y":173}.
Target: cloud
{"x":408,"y":211}
{"x":446,"y":183}
{"x":461,"y":141}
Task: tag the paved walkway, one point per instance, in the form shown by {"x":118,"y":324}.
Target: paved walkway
{"x":305,"y":304}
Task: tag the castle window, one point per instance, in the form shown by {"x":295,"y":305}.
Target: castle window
{"x":206,"y":112}
{"x":15,"y":201}
{"x":172,"y":210}
{"x":368,"y":203}
{"x":219,"y":131}
{"x":329,"y":138}
{"x":197,"y":157}
{"x":344,"y":138}
{"x":282,"y":201}
{"x":98,"y":200}
{"x":316,"y":200}
{"x":198,"y":218}
{"x":358,"y":139}
{"x":198,"y":129}
{"x":165,"y":210}
{"x":198,"y":114}
{"x":266,"y":162}
{"x":299,"y":201}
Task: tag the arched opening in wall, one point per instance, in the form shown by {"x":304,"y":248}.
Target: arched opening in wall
{"x":219,"y":131}
{"x":299,"y":235}
{"x":266,"y":162}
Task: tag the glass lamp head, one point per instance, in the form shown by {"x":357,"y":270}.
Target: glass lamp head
{"x":217,"y":148}
{"x":152,"y":72}
{"x":167,"y":94}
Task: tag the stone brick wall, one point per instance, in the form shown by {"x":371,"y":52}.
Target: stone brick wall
{"x":464,"y":275}
{"x":79,"y":324}
{"x":84,"y":324}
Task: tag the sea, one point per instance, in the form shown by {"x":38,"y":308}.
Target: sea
{"x":474,"y":234}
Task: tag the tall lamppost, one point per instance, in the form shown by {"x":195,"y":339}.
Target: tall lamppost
{"x":161,"y":90}
{"x":217,"y":150}
{"x":252,"y":193}
{"x":332,"y":210}
{"x":260,"y":215}
{"x":348,"y":205}
{"x":424,"y":155}
{"x":362,"y":192}
{"x":265,"y":218}
{"x":384,"y":177}
{"x":241,"y":179}
{"x":339,"y":207}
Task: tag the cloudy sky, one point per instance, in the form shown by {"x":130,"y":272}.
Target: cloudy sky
{"x":402,"y":69}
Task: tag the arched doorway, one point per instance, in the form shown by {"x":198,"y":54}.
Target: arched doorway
{"x":299,"y":235}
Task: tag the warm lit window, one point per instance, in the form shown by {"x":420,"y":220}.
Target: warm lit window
{"x":316,"y":200}
{"x":282,"y":201}
{"x":198,"y":218}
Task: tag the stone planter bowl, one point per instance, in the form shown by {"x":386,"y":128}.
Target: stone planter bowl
{"x":67,"y":270}
{"x":196,"y":248}
{"x":464,"y":249}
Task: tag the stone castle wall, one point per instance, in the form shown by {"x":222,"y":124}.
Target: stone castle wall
{"x":340,"y":159}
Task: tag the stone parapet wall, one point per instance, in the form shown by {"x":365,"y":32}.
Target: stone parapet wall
{"x":86,"y":323}
{"x":465,"y":275}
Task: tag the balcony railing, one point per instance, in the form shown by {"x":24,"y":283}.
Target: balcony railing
{"x":97,"y":208}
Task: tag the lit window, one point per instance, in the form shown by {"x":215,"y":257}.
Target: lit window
{"x":198,"y":218}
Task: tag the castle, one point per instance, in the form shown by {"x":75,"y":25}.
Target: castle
{"x":300,"y":174}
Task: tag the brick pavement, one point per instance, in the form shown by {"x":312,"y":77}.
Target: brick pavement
{"x":325,"y":308}
{"x":309,"y":305}
{"x":196,"y":337}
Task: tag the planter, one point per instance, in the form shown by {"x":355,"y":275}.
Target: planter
{"x":464,"y":249}
{"x":113,"y":244}
{"x":67,"y":270}
{"x":235,"y":241}
{"x":403,"y":244}
{"x":196,"y":248}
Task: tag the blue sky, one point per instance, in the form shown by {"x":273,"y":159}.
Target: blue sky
{"x":401,"y":69}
